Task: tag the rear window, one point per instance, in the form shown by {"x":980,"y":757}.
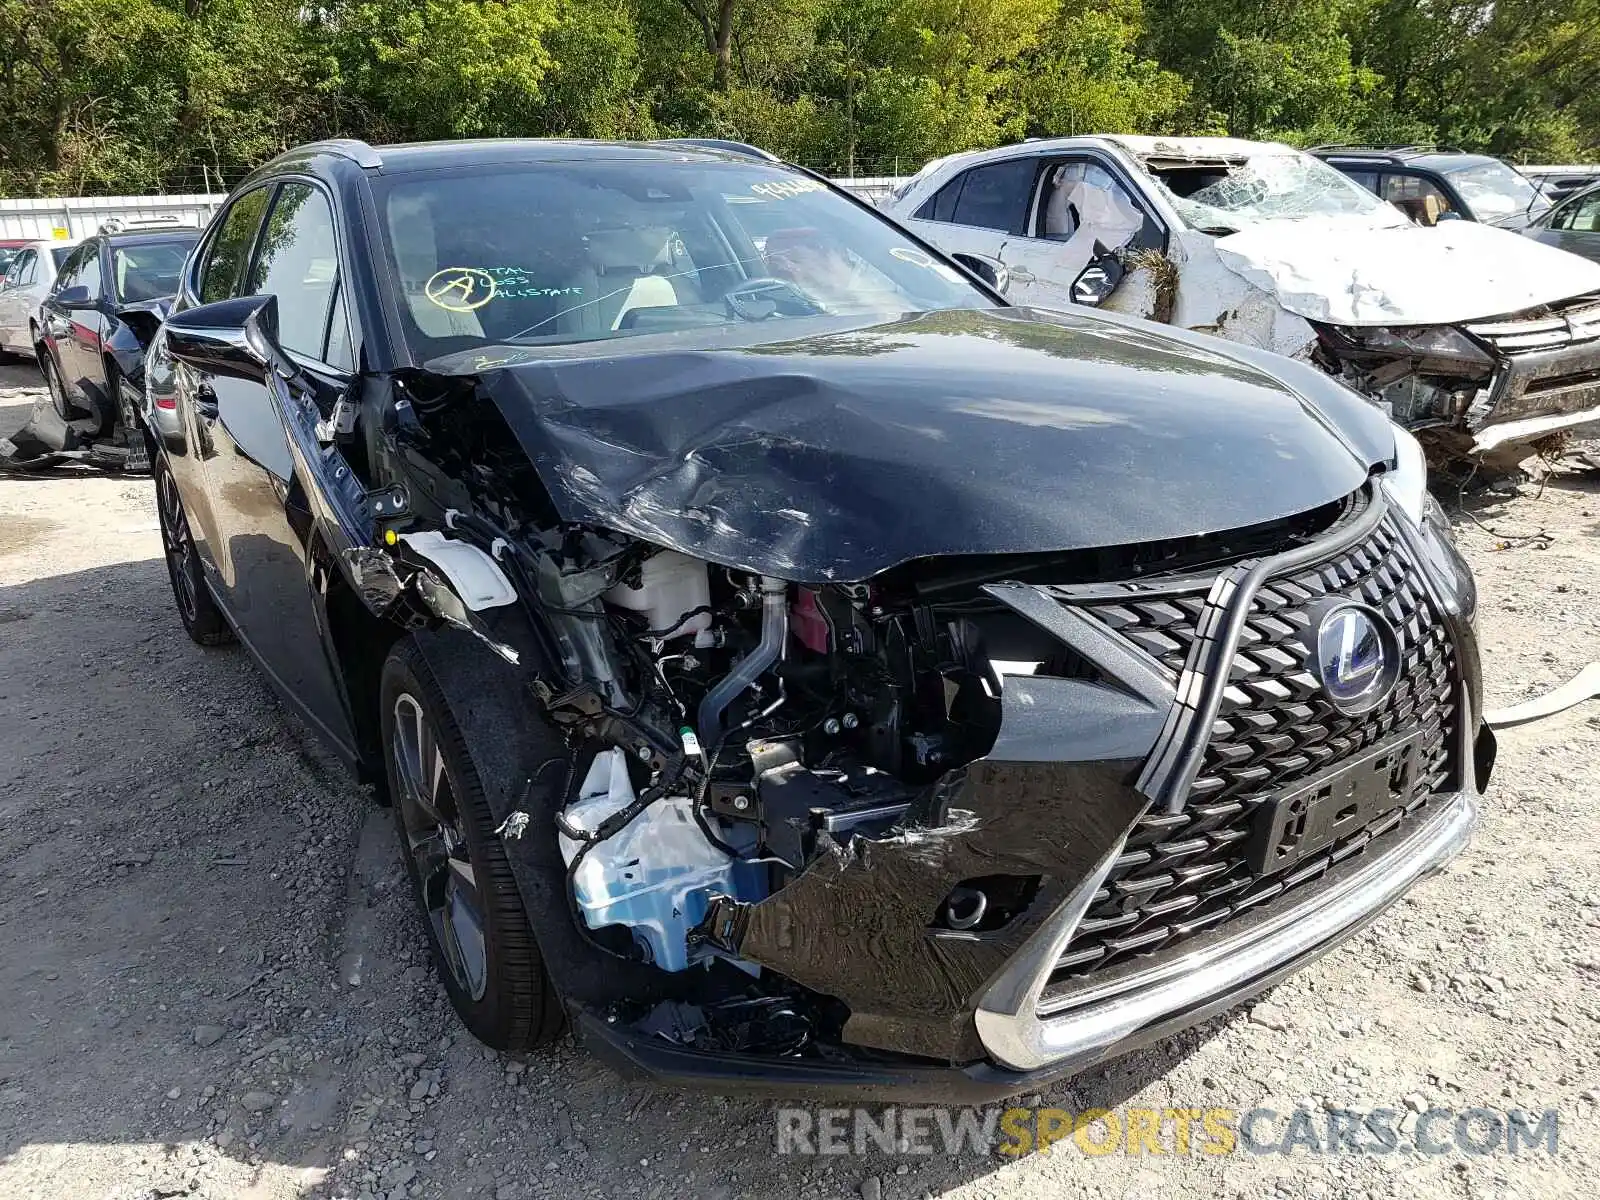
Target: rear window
{"x":148,"y":270}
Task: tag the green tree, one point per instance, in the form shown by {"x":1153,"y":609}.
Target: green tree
{"x":1088,"y":76}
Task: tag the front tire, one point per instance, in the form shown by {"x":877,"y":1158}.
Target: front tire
{"x":197,"y":609}
{"x":483,"y":947}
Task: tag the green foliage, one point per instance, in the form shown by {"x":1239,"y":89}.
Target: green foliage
{"x":137,"y":95}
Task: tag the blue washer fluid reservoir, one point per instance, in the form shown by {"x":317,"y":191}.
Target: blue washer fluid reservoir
{"x":656,"y":875}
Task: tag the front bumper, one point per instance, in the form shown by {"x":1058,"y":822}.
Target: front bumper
{"x":1548,"y":380}
{"x":1034,"y":1051}
{"x":1025,"y":1031}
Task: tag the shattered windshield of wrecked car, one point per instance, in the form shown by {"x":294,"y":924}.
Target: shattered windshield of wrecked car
{"x":575,"y":251}
{"x":1225,"y":197}
{"x":1493,"y":191}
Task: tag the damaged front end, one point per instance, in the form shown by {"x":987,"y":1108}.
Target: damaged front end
{"x":1490,"y":388}
{"x":872,"y":798}
{"x":1276,"y":251}
{"x":1426,"y":377}
{"x":1006,"y":828}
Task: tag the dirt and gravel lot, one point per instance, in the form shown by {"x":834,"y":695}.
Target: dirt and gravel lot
{"x":213,"y":983}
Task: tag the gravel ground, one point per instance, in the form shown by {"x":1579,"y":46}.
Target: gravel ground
{"x":214,"y":983}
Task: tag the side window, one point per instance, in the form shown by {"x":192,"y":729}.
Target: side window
{"x":68,"y":274}
{"x":24,"y":270}
{"x":1083,"y":199}
{"x":1419,"y":198}
{"x":1367,"y":179}
{"x":229,"y":249}
{"x":340,"y":353}
{"x":941,"y":206}
{"x":89,"y":272}
{"x":299,"y":264}
{"x":996,"y":196}
{"x":1581,"y":216}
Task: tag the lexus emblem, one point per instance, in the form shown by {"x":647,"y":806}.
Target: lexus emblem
{"x":1357,"y":658}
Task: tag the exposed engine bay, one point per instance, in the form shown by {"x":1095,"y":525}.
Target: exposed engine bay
{"x":746,"y":727}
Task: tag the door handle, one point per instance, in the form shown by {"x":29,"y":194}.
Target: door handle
{"x":205,"y":401}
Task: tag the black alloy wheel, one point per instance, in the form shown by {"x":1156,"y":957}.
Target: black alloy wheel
{"x":477,"y":928}
{"x":436,"y":844}
{"x":202,"y":619}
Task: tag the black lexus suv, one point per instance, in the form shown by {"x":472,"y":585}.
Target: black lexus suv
{"x":788,"y":662}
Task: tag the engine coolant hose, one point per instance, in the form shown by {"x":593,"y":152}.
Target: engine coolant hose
{"x":774,"y":632}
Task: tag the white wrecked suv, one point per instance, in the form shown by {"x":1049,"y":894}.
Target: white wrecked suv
{"x":1469,"y":332}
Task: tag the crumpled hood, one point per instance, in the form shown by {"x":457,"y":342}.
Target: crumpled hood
{"x":837,"y":455}
{"x":1351,"y":272}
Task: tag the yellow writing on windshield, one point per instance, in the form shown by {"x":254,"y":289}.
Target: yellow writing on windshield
{"x":460,"y":289}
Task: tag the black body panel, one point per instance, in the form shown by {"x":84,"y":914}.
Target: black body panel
{"x":836,"y":456}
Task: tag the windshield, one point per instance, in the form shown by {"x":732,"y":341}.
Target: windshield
{"x":60,"y":254}
{"x":1273,"y":185}
{"x":148,"y":270}
{"x":1493,"y":191}
{"x":580,"y":251}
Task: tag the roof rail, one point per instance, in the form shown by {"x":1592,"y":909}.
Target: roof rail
{"x":134,"y":224}
{"x":1390,"y":148}
{"x":732,"y":147}
{"x":354,"y":149}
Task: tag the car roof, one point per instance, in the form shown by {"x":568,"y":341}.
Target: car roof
{"x":140,"y":237}
{"x":1588,"y":189}
{"x":1413,"y":156}
{"x":403,"y":157}
{"x":1141,"y":147}
{"x":1195,"y":147}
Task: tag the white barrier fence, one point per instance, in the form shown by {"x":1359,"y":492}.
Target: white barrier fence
{"x":68,"y":218}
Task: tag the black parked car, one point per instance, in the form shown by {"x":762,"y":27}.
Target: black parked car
{"x":796,"y":665}
{"x":1428,"y":184}
{"x":98,"y":318}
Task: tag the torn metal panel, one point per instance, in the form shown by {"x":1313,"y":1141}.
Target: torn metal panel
{"x":1212,"y":298}
{"x":856,"y":923}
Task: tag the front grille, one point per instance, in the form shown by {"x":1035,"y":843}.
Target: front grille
{"x":1184,"y":873}
{"x":1546,"y":328}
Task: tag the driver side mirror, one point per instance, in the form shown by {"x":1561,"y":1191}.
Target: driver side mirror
{"x":1097,"y":280}
{"x":991,"y":270}
{"x":76,"y":296}
{"x":231,"y":337}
